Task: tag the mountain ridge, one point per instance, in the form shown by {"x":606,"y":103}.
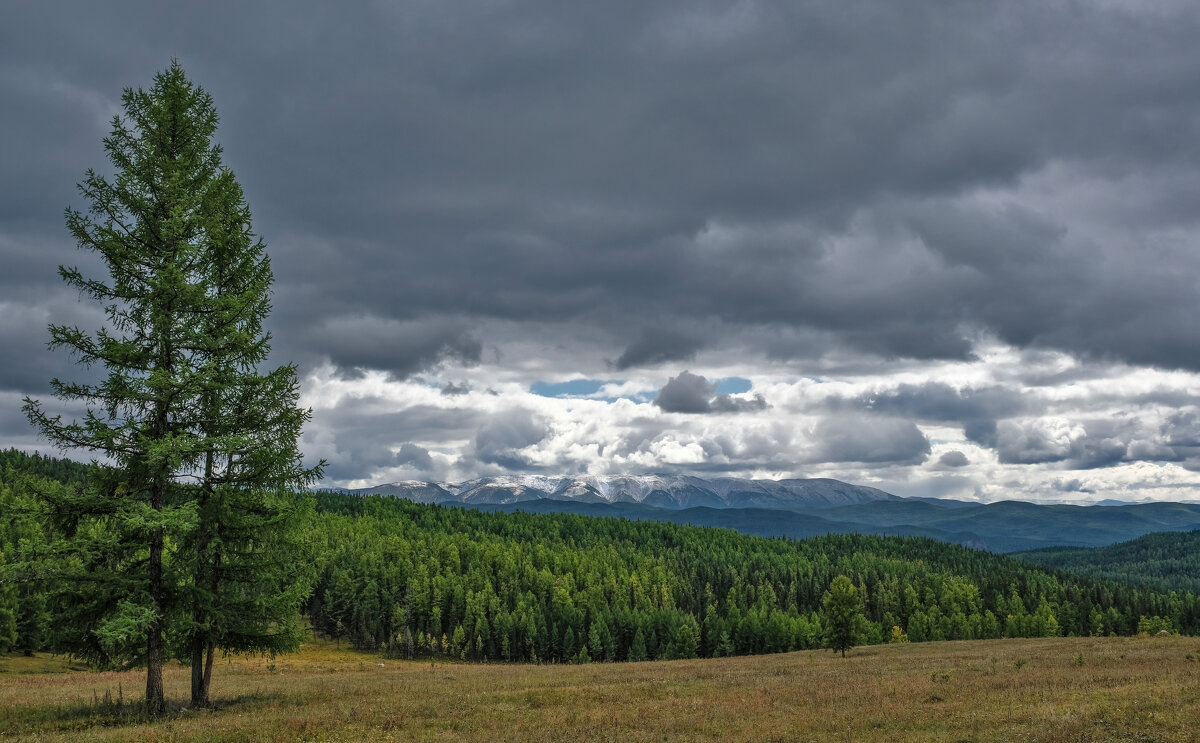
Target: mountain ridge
{"x":661,"y":491}
{"x":803,"y":508}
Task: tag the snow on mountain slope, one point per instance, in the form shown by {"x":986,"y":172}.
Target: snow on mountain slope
{"x":663,"y":491}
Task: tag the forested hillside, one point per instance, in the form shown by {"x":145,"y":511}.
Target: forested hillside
{"x":420,"y":578}
{"x":411,"y":579}
{"x":1165,"y":561}
{"x":61,"y":470}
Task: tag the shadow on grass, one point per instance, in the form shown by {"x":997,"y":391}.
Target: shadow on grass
{"x":107,"y":711}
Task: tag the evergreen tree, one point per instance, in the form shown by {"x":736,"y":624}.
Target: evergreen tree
{"x":637,"y":648}
{"x":568,"y":644}
{"x":183,"y":539}
{"x":842,"y":617}
{"x":686,"y":641}
{"x":711,"y":632}
{"x":24,"y":614}
{"x":596,"y":641}
{"x":250,"y":424}
{"x":8,"y":614}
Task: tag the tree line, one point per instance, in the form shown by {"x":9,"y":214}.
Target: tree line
{"x":411,"y":579}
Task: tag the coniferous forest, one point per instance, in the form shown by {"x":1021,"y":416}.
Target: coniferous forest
{"x":1164,"y":560}
{"x":411,"y":580}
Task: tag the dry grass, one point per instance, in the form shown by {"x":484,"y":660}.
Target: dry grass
{"x":1138,"y":689}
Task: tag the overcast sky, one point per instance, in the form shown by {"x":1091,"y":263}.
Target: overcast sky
{"x":939,"y":248}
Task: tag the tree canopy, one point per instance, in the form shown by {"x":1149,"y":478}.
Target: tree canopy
{"x":842,"y":616}
{"x":182,"y":533}
{"x":407,"y":578}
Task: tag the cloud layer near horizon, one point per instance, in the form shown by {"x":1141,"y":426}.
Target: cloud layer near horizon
{"x":975,"y":225}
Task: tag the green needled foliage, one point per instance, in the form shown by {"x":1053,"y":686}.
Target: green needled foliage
{"x":1167,"y":561}
{"x":842,"y":615}
{"x":412,"y":580}
{"x":185,"y":540}
{"x":404,"y":578}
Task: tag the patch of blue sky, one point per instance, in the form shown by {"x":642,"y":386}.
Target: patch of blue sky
{"x":588,"y":388}
{"x":573,"y":388}
{"x":733,"y":386}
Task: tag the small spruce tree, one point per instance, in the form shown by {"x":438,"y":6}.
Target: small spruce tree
{"x":686,"y":642}
{"x":568,"y":644}
{"x":637,"y":648}
{"x":842,"y":617}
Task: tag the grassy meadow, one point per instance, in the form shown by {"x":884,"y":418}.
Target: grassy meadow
{"x":1063,"y":689}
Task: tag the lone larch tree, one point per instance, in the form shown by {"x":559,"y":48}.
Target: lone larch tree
{"x":842,"y":619}
{"x":187,"y":538}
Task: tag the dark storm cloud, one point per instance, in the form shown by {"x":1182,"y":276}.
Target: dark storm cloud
{"x":656,"y":346}
{"x":691,"y":393}
{"x":1182,"y":430}
{"x":415,"y":456}
{"x":686,"y":393}
{"x":1179,"y":440}
{"x":13,"y":423}
{"x":1073,"y":485}
{"x":632,"y":166}
{"x":356,"y":438}
{"x":28,"y":368}
{"x":355,"y":344}
{"x":976,"y":409}
{"x":16,"y":432}
{"x":362,"y":416}
{"x":938,"y":401}
{"x":725,"y":403}
{"x":869,"y":440}
{"x":367,"y":456}
{"x":953,"y":459}
{"x":29,"y":364}
{"x":982,"y":432}
{"x":1083,"y":443}
{"x":501,"y":438}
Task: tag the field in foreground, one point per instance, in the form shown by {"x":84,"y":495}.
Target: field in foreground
{"x":1062,"y":689}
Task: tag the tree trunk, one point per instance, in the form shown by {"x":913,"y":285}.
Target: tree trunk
{"x":155,"y":702}
{"x":208,"y":664}
{"x":200,"y":629}
{"x":199,"y":697}
{"x":214,"y":574}
{"x":202,"y":664}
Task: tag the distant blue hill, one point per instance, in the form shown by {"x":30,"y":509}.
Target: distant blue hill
{"x":1008,"y":526}
{"x":808,"y":508}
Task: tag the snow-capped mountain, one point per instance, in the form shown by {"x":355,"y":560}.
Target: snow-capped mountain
{"x":662,"y":491}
